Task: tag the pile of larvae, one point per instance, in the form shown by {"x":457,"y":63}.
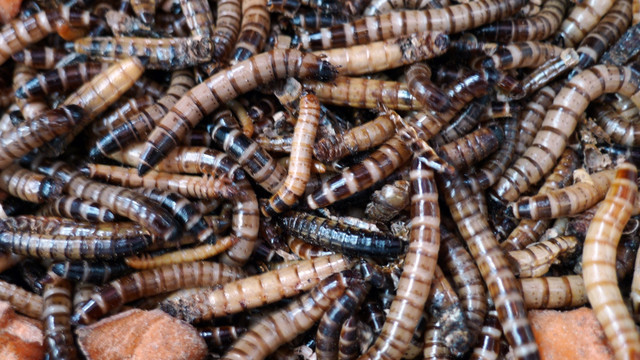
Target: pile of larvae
{"x":323,"y":179}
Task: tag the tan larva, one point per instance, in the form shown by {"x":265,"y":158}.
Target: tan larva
{"x":364,"y":93}
{"x":385,"y":55}
{"x":598,"y":265}
{"x":221,"y":87}
{"x":528,"y":231}
{"x":153,"y":282}
{"x":554,"y":292}
{"x":451,"y":20}
{"x":300,"y":160}
{"x":536,"y":259}
{"x":272,"y":286}
{"x":559,"y":123}
{"x":21,"y":300}
{"x":570,"y":200}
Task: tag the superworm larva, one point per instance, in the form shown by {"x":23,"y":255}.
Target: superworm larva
{"x":152,"y":282}
{"x":598,"y":267}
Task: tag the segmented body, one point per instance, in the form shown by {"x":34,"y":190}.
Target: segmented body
{"x":241,"y":295}
{"x":223,"y":86}
{"x":282,"y":326}
{"x":451,"y":20}
{"x":21,"y":300}
{"x":95,"y":272}
{"x":28,"y":185}
{"x":559,"y":123}
{"x":300,"y":160}
{"x":419,"y":265}
{"x":75,"y":208}
{"x":598,"y":267}
{"x":163,"y":53}
{"x":136,"y":128}
{"x":493,"y":266}
{"x":153,"y":282}
{"x":536,"y":259}
{"x":554,"y":292}
{"x":61,"y":79}
{"x":537,"y":27}
{"x":58,"y":338}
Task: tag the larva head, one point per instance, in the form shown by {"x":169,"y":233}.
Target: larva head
{"x":326,"y":71}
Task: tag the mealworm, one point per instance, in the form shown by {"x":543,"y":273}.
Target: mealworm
{"x":364,"y":93}
{"x":380,"y":164}
{"x":470,"y":149}
{"x":95,"y":272}
{"x":20,"y":33}
{"x":21,"y":300}
{"x":420,"y":262}
{"x":453,"y":19}
{"x":598,"y":266}
{"x":521,"y":55}
{"x":145,"y":9}
{"x":245,"y":223}
{"x":559,"y":123}
{"x":535,"y":259}
{"x":253,"y":291}
{"x":163,"y":53}
{"x":262,"y":108}
{"x":384,"y":55}
{"x":493,"y":266}
{"x":348,"y":348}
{"x":420,"y":86}
{"x":227,"y":27}
{"x":219,"y":338}
{"x":466,"y":277}
{"x":246,"y":123}
{"x":620,"y":130}
{"x":253,"y":30}
{"x":75,"y":208}
{"x":137,"y":127}
{"x":43,"y":58}
{"x":328,"y":334}
{"x":531,"y":118}
{"x":153,"y":282}
{"x":489,"y":343}
{"x":537,"y":27}
{"x":499,"y":110}
{"x":255,"y":161}
{"x":314,"y":20}
{"x":34,"y":133}
{"x":305,"y":250}
{"x":200,"y":252}
{"x":222,"y":87}
{"x":389,"y":201}
{"x":385,"y":6}
{"x":30,"y":108}
{"x":63,"y":247}
{"x":145,"y":85}
{"x":28,"y":185}
{"x":275,"y":144}
{"x":103,"y":90}
{"x":495,"y":166}
{"x":290,"y":7}
{"x":635,"y":288}
{"x":607,"y":32}
{"x":58,"y":338}
{"x":434,"y":346}
{"x":570,"y":200}
{"x":550,"y":70}
{"x":338,"y":236}
{"x":301,"y":155}
{"x":200,"y":187}
{"x":282,"y":326}
{"x":183,"y":211}
{"x":120,"y":114}
{"x":61,"y":79}
{"x":554,"y":292}
{"x":582,"y":19}
{"x":121,"y":201}
{"x":68,"y":227}
{"x":463,"y":123}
